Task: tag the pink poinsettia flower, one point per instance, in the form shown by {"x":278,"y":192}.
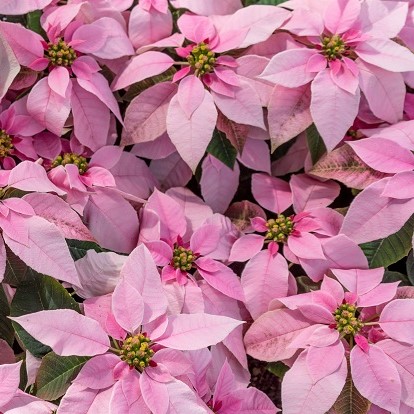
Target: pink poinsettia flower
{"x":345,"y":53}
{"x":326,"y":324}
{"x":179,"y":257}
{"x":309,"y":198}
{"x":16,"y":130}
{"x":209,"y":80}
{"x":147,"y":341}
{"x":72,"y":71}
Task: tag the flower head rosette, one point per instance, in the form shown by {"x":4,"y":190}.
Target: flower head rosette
{"x":143,"y":354}
{"x":295,"y":232}
{"x":345,"y":51}
{"x":208,"y":79}
{"x":70,"y":72}
{"x":342,"y":320}
{"x":181,"y":254}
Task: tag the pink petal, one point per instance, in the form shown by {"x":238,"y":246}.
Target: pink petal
{"x":112,"y":221}
{"x":340,"y":15}
{"x":324,"y":361}
{"x":360,"y":281}
{"x":264,"y":278}
{"x":191,"y":136}
{"x":383,"y":155}
{"x":375,"y":377}
{"x":246,"y":247}
{"x":220,"y":277}
{"x":97,"y":373}
{"x":12,"y":8}
{"x":196,"y":331}
{"x":301,"y":393}
{"x":146,"y":27}
{"x":289,"y":113}
{"x":141,"y":274}
{"x":309,"y":194}
{"x":379,"y":295}
{"x":379,"y":217}
{"x":397,"y":320}
{"x":218,"y":183}
{"x":245,"y":107}
{"x":268,"y":337}
{"x":333,"y":109}
{"x":8,"y":65}
{"x":386,"y":54}
{"x":190,"y":94}
{"x":46,"y":250}
{"x":66,"y":332}
{"x":206,"y":9}
{"x":385,"y":92}
{"x":272,"y":193}
{"x":47,"y":107}
{"x":288,"y":68}
{"x":205,"y":239}
{"x":10,"y":379}
{"x":29,"y":176}
{"x":145,"y":117}
{"x":142,"y":67}
{"x":58,"y":80}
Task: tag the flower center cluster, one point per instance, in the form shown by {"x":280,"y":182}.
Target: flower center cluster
{"x":333,"y":47}
{"x":136,"y":351}
{"x":280,"y":228}
{"x":71,"y":158}
{"x":202,"y":59}
{"x":183,"y":258}
{"x":346,"y":320}
{"x":6,"y":144}
{"x":60,"y":54}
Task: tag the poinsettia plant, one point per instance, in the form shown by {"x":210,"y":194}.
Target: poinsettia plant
{"x":206,"y":206}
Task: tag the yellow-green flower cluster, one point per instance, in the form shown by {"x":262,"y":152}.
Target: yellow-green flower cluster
{"x":183,"y":258}
{"x":346,"y":321}
{"x":201,"y":59}
{"x":60,"y":53}
{"x":6,"y":144}
{"x":279,"y":229}
{"x":136,"y":351}
{"x":71,"y":158}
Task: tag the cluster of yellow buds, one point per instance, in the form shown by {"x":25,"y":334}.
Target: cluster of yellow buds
{"x":333,"y":47}
{"x":71,"y":158}
{"x":280,"y":228}
{"x":346,"y":321}
{"x":60,"y":54}
{"x":6,"y":144}
{"x":202,"y":59}
{"x":136,"y":351}
{"x":183,"y":258}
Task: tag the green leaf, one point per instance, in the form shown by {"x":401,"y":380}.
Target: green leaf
{"x":33,"y":22}
{"x":277,"y":368}
{"x":410,"y":267}
{"x":315,"y":143}
{"x":42,"y":293}
{"x":55,"y":375}
{"x":221,"y":148}
{"x":6,"y":328}
{"x":79,"y":248}
{"x":385,"y":252}
{"x":390,"y":277}
{"x":17,"y":272}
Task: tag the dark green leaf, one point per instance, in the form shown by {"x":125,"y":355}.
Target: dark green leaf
{"x":390,"y":250}
{"x":390,"y":277}
{"x":315,"y":143}
{"x":6,"y":328}
{"x":17,"y":272}
{"x":410,"y":267}
{"x":221,"y":148}
{"x":79,"y":248}
{"x":277,"y":368}
{"x":55,"y":375}
{"x":43,"y":293}
{"x":33,"y":22}
{"x":306,"y":284}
